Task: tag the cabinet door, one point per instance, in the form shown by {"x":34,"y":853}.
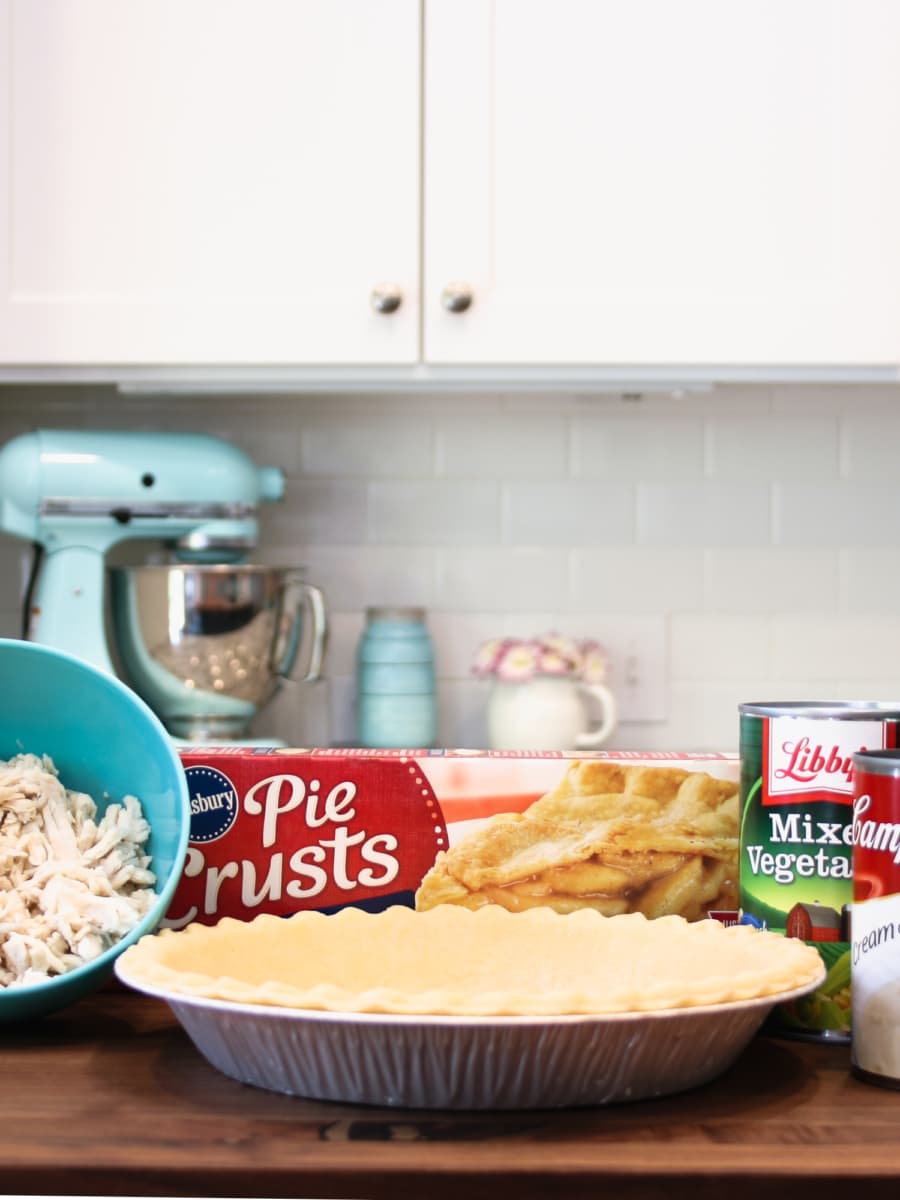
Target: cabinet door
{"x":642,"y":181}
{"x":208,"y":181}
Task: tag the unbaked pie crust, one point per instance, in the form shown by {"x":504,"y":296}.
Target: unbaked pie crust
{"x":455,"y":961}
{"x":615,"y":838}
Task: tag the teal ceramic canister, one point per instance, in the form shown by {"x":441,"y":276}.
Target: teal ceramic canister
{"x":396,"y":700}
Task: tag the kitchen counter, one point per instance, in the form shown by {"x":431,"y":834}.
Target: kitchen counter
{"x":110,"y":1097}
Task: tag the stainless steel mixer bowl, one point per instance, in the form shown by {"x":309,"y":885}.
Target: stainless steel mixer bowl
{"x":207,"y":645}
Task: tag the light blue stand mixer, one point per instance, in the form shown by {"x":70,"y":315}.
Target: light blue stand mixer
{"x":205,"y":638}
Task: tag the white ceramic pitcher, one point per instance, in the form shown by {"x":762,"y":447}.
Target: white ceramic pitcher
{"x":550,"y":713}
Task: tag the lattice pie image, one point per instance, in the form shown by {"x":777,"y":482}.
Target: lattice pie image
{"x":611,"y":837}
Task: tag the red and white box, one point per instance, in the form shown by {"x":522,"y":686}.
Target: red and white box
{"x":281,"y":830}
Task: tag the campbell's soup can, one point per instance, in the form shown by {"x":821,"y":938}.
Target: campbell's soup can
{"x":875,"y":931}
{"x":796,"y":839}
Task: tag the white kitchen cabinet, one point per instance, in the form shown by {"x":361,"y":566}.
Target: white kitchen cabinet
{"x":651,"y":181}
{"x":589,"y":184}
{"x":208,"y":181}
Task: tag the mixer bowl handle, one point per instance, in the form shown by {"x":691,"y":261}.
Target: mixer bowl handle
{"x":320,"y":633}
{"x":284,"y":663}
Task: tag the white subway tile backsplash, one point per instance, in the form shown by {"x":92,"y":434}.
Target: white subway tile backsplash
{"x":568,"y":514}
{"x":751,"y":449}
{"x":841,"y":648}
{"x":777,"y":690}
{"x":869,"y":453}
{"x":703,"y":514}
{"x":300,"y":715}
{"x":388,"y":448}
{"x":317,"y":512}
{"x":434,"y":514}
{"x":503,"y":579}
{"x":739,"y":400}
{"x":870,"y":580}
{"x":344,"y":632}
{"x":770,"y":580}
{"x":815,"y":400}
{"x":342,"y":710}
{"x":623,"y":449}
{"x":355,"y":577}
{"x":743,"y":538}
{"x":668,"y":403}
{"x":530,"y":448}
{"x":702,"y":716}
{"x":714,"y":647}
{"x":271,"y":436}
{"x":840,"y":515}
{"x":705,"y":715}
{"x":635,"y":579}
{"x":462,"y":709}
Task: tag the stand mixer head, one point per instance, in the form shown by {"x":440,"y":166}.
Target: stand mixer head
{"x":77,"y":494}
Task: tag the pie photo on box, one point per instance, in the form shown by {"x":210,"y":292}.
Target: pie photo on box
{"x":611,"y":837}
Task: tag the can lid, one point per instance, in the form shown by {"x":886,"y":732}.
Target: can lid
{"x":877,"y":762}
{"x":844,"y":710}
{"x":394,"y":613}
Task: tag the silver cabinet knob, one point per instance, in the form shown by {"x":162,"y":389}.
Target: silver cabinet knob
{"x":386,"y":298}
{"x":456,"y":297}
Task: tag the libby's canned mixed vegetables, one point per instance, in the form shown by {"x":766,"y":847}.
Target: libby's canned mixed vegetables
{"x":796,"y":838}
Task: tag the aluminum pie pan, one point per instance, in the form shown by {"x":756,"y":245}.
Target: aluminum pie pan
{"x":452,"y":1062}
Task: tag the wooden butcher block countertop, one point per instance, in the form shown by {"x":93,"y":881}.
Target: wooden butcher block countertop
{"x":110,"y":1097}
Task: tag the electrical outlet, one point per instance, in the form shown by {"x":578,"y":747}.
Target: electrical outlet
{"x":636,"y":647}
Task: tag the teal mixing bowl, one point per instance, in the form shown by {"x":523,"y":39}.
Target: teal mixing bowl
{"x":105,"y":741}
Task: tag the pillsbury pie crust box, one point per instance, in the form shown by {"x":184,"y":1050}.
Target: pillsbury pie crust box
{"x":281,"y":830}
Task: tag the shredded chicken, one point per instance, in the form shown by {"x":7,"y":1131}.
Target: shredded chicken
{"x":70,"y":885}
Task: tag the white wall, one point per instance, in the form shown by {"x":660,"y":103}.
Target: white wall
{"x":738,"y":545}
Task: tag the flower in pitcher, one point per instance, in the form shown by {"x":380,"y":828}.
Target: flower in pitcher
{"x":551,"y":662}
{"x":488,"y":656}
{"x":515,"y":660}
{"x":593,"y":667}
{"x":519,"y":661}
{"x":560,"y":655}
